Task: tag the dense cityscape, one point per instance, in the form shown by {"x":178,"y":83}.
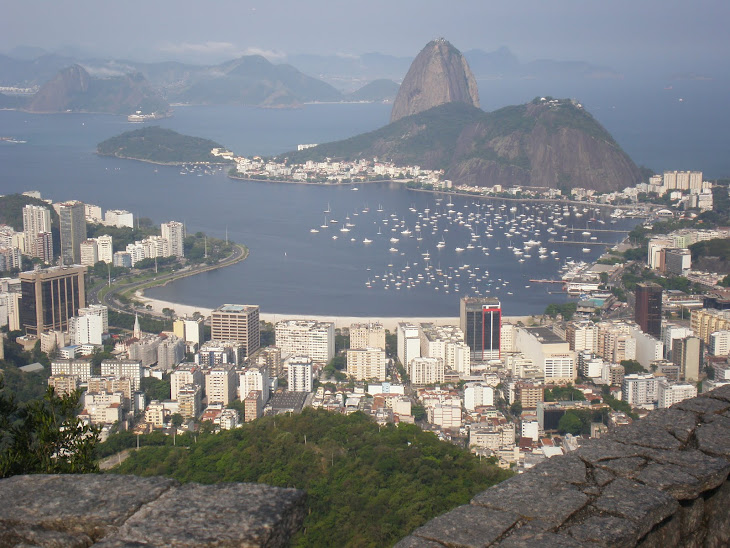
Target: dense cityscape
{"x":290,"y":277}
{"x":518,"y":390}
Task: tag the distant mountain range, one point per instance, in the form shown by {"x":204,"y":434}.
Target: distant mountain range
{"x":252,"y":80}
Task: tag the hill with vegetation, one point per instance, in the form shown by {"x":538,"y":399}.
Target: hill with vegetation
{"x":366,"y":485}
{"x":159,"y":145}
{"x":73,"y":89}
{"x":248,"y":80}
{"x":377,"y":90}
{"x":545,"y":143}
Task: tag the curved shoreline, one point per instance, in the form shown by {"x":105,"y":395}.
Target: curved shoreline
{"x":196,"y":163}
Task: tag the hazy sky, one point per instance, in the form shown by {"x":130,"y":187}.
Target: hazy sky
{"x":611,"y":32}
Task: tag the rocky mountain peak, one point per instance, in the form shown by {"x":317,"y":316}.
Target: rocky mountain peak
{"x":439,"y":74}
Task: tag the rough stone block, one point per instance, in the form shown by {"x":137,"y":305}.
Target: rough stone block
{"x":624,"y":467}
{"x":670,"y":478}
{"x":713,"y":437}
{"x":646,"y":434}
{"x":417,"y":542}
{"x":90,"y":505}
{"x":518,"y":494}
{"x":567,"y":467}
{"x":468,"y":526}
{"x":720,"y":393}
{"x":595,"y":451}
{"x":710,"y":471}
{"x":601,"y":477}
{"x":531,"y":536}
{"x":664,"y":534}
{"x":642,"y":504}
{"x":717,"y":516}
{"x":677,"y":422}
{"x":226,"y":514}
{"x":605,"y":531}
{"x":703,"y":406}
{"x":691,"y":515}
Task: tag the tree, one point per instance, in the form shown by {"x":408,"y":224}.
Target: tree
{"x":632,"y":366}
{"x":176,"y":419}
{"x":45,"y":436}
{"x":570,"y":423}
{"x":516,"y":408}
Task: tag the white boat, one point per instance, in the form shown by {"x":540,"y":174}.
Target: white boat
{"x":459,"y":249}
{"x":586,"y":250}
{"x":366,"y":241}
{"x":313,"y":230}
{"x":393,"y":250}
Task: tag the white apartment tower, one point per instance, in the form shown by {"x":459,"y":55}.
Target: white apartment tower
{"x":105,"y":249}
{"x":174,"y":233}
{"x":367,"y":335}
{"x":366,"y":364}
{"x":36,"y":220}
{"x":409,"y":344}
{"x":300,"y":374}
{"x":306,"y":338}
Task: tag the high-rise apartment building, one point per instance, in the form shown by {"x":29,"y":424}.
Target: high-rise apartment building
{"x":687,"y":354}
{"x":481,"y":322}
{"x":72,"y":219}
{"x":367,"y":335}
{"x":50,"y":298}
{"x":36,"y":221}
{"x":237,"y":322}
{"x":649,"y":308}
{"x":306,"y":338}
{"x":89,"y":252}
{"x":221,"y":383}
{"x":300,"y":374}
{"x":409,"y":344}
{"x":105,"y":249}
{"x":366,"y":364}
{"x":174,"y":233}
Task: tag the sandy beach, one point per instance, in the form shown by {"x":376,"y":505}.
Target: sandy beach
{"x":389,"y":323}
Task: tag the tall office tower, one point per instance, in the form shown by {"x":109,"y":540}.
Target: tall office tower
{"x":36,"y":220}
{"x":480,"y":319}
{"x":649,"y":308}
{"x":237,"y":322}
{"x":174,"y":233}
{"x":72,"y":218}
{"x":51,"y":297}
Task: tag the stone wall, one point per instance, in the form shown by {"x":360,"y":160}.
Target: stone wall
{"x":662,"y":481}
{"x":112,"y":511}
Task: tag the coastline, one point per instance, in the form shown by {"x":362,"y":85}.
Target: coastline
{"x":163,"y":163}
{"x":389,"y":322}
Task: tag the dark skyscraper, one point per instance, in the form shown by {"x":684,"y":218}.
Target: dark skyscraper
{"x":50,"y":298}
{"x":649,"y":308}
{"x":72,"y":220}
{"x":481,"y":321}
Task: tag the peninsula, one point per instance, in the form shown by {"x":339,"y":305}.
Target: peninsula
{"x":162,"y":146}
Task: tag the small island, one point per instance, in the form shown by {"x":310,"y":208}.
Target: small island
{"x":163,"y":146}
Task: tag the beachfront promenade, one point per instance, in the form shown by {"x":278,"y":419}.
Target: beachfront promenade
{"x":390,"y":323}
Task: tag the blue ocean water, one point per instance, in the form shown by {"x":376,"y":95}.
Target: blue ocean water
{"x":294,"y":270}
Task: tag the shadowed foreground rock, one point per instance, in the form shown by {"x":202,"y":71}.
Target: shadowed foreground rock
{"x":116,"y":511}
{"x":662,"y":481}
